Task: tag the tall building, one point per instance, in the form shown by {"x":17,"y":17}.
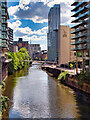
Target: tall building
{"x":82,"y":32}
{"x":3,"y":40}
{"x":59,"y":37}
{"x":10,"y":39}
{"x":53,"y":26}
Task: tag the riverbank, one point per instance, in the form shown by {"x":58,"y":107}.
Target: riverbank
{"x":71,"y":80}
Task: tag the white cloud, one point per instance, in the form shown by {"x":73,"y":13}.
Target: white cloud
{"x":27,"y":33}
{"x":32,"y":10}
{"x":38,"y":12}
{"x":14,"y":25}
{"x":18,"y":31}
{"x":13,"y":9}
{"x":37,"y":19}
{"x":37,"y":40}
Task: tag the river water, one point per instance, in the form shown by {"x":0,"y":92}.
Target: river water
{"x":34,"y":94}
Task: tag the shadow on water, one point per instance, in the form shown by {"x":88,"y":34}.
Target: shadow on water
{"x":34,"y":94}
{"x":83,"y":105}
{"x":11,"y":83}
{"x":67,"y":103}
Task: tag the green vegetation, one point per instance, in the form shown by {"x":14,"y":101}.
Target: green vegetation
{"x":62,"y":75}
{"x":42,"y":63}
{"x":83,"y":77}
{"x":3,"y":99}
{"x":79,"y":54}
{"x":18,"y":60}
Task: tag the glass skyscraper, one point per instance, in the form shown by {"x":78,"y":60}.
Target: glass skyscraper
{"x":52,"y":36}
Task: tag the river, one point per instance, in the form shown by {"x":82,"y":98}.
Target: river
{"x":34,"y":94}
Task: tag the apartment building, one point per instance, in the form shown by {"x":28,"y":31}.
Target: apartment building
{"x":10,"y":39}
{"x":81,"y":32}
{"x":3,"y":40}
{"x":72,"y":53}
{"x":53,"y":26}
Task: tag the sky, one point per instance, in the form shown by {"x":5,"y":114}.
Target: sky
{"x":29,"y":18}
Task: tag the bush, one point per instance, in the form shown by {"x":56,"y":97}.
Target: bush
{"x":3,"y":99}
{"x":62,"y":75}
{"x":18,"y":60}
{"x":84,"y":77}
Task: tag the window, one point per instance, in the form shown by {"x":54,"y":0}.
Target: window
{"x":3,"y":19}
{"x":3,"y":11}
{"x":4,"y":35}
{"x":3,"y":27}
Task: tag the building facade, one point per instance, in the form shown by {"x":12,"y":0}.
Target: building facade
{"x":35,"y":51}
{"x":21,"y":44}
{"x":63,"y":45}
{"x":10,"y":39}
{"x":53,"y":26}
{"x":82,"y":32}
{"x":15,"y":48}
{"x":72,"y":53}
{"x":3,"y":40}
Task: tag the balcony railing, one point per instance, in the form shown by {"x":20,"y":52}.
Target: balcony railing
{"x":79,"y":36}
{"x":4,"y":13}
{"x":4,"y":45}
{"x":80,"y":42}
{"x":80,"y":17}
{"x":83,"y":9}
{"x":4,"y":37}
{"x":79,"y":4}
{"x":4,"y":30}
{"x":3,"y":4}
{"x":79,"y":48}
{"x":79,"y":29}
{"x":4,"y":21}
{"x":80,"y":24}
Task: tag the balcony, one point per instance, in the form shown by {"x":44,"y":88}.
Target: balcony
{"x":4,"y":45}
{"x":74,"y":4}
{"x":4,"y":30}
{"x":79,"y":48}
{"x":80,"y":4}
{"x":4,"y":37}
{"x":80,"y":42}
{"x":80,"y":24}
{"x":4,"y":22}
{"x":79,"y":36}
{"x":79,"y":30}
{"x":81,"y":10}
{"x":86,"y":58}
{"x":81,"y":17}
{"x":4,"y":14}
{"x":4,"y":5}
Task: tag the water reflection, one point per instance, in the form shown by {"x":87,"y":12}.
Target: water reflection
{"x":34,"y":94}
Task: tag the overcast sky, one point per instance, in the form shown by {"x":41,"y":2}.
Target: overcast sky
{"x":29,"y":18}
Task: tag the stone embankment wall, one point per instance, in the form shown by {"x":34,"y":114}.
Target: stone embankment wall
{"x":71,"y":80}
